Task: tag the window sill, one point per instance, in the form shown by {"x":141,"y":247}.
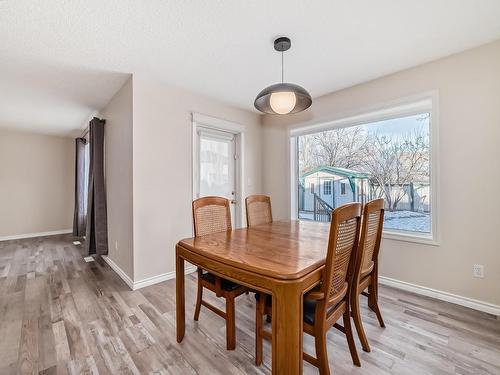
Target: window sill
{"x":399,"y":236}
{"x":410,"y":237}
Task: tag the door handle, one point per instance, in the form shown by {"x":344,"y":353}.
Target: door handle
{"x":233,"y":201}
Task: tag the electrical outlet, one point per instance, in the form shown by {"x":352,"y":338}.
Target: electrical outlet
{"x":116,"y":245}
{"x":478,"y":271}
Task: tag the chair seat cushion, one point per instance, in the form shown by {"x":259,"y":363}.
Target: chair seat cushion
{"x":310,"y":311}
{"x":225,"y":284}
{"x":309,"y":308}
{"x":310,"y":304}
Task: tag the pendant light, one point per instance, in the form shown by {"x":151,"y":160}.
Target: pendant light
{"x":283,"y":98}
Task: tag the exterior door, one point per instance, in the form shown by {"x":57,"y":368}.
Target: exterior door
{"x":216,"y":166}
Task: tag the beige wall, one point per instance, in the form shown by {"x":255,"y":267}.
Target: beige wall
{"x":163,"y":168}
{"x":469,"y":134}
{"x":36,"y":183}
{"x":118,"y":148}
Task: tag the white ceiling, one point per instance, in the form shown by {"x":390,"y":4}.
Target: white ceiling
{"x":57,"y":58}
{"x":53,"y":99}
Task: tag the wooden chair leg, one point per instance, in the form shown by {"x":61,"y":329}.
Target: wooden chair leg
{"x":259,"y":312}
{"x":356,"y":315}
{"x":350,"y":339}
{"x":373,"y":303}
{"x":199,"y":296}
{"x":321,"y":352}
{"x":230,"y":324}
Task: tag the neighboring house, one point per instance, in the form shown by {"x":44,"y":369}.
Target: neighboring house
{"x":335,"y":186}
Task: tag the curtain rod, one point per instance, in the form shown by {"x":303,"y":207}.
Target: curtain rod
{"x":85,"y":132}
{"x":87,"y":129}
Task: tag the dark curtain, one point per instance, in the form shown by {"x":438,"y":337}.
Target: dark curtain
{"x":97,"y":223}
{"x":80,"y":216}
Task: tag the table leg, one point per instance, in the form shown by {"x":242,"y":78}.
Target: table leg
{"x":287,"y":329}
{"x":180,"y":297}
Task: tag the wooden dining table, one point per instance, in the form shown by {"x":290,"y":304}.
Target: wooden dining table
{"x":284,"y":259}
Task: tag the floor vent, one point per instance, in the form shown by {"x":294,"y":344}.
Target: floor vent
{"x":89,"y":259}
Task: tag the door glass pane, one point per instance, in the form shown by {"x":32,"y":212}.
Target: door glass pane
{"x":215,"y":167}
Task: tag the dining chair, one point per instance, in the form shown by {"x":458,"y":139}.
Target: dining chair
{"x":330,"y":300}
{"x":259,"y":211}
{"x":258,"y":208}
{"x":212,"y":215}
{"x":366,"y":270}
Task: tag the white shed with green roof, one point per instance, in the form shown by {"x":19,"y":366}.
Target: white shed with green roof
{"x":332,"y":186}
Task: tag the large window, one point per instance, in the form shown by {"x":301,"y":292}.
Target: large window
{"x":388,"y":159}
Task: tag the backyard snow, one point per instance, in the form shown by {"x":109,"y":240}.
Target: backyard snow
{"x":398,"y":220}
{"x":408,"y":220}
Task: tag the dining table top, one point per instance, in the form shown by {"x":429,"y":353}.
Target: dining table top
{"x":284,"y":250}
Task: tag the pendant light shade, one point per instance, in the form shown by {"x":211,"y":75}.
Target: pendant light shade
{"x":283,"y":98}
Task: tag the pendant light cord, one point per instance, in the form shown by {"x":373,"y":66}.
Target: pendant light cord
{"x":281,"y":66}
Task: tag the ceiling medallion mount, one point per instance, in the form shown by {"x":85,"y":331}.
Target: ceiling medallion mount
{"x":283,"y":98}
{"x":282,"y":44}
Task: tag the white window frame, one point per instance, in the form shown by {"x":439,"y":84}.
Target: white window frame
{"x":425,"y":102}
{"x":330,"y":183}
{"x":200,"y":121}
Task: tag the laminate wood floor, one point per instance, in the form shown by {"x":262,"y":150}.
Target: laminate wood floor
{"x":60,"y":315}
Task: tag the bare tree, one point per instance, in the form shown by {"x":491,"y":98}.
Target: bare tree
{"x":341,"y":147}
{"x":306,"y":154}
{"x":393,"y":164}
{"x":344,"y":148}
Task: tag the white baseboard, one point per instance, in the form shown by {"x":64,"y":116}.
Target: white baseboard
{"x":32,"y":235}
{"x":443,"y":296}
{"x":160,"y":278}
{"x":119,"y":272}
{"x":134,"y":285}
